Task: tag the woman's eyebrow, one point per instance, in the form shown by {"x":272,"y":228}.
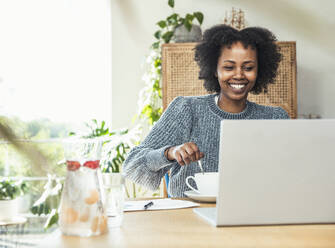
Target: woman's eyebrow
{"x":244,"y":62}
{"x":231,"y":61}
{"x":248,"y":61}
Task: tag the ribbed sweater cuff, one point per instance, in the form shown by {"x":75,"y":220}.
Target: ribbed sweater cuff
{"x":157,"y":159}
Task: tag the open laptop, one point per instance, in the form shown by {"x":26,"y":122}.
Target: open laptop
{"x":275,"y":172}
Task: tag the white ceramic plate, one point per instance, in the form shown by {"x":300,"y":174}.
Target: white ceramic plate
{"x":198,"y":197}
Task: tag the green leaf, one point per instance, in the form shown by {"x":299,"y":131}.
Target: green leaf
{"x":34,"y":209}
{"x":118,"y":150}
{"x":157,"y":62}
{"x":125,"y":131}
{"x":167,"y":36}
{"x":171,"y":3}
{"x":24,"y":188}
{"x":110,"y":166}
{"x":46,"y":209}
{"x":199,"y":16}
{"x":172,"y":19}
{"x":161,"y":24}
{"x":40,"y":209}
{"x":116,"y":165}
{"x":146,"y":110}
{"x":9,"y":189}
{"x":112,"y":133}
{"x":189,"y":18}
{"x":188,"y":25}
{"x":157,"y":34}
{"x":104,"y":132}
{"x":156,"y":85}
{"x":52,"y":219}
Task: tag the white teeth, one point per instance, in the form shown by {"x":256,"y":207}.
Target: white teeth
{"x":237,"y":86}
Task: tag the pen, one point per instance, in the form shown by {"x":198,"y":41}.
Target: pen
{"x":148,"y":205}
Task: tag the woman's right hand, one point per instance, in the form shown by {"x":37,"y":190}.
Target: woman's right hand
{"x":184,"y":154}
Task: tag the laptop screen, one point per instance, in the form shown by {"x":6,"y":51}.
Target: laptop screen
{"x":276,"y":172}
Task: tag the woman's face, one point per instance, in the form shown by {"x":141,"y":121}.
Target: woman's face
{"x":236,"y":72}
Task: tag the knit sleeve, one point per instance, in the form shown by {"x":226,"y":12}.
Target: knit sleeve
{"x":280,"y":113}
{"x":146,"y":163}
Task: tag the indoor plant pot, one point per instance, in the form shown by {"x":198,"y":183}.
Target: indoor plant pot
{"x":9,"y":199}
{"x":182,"y":34}
{"x":9,"y":209}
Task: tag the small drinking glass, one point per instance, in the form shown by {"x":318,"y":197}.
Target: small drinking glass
{"x":115,"y":192}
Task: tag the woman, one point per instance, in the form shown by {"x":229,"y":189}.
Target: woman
{"x":232,"y":64}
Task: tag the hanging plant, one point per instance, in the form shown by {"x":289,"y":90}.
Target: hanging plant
{"x":150,"y":102}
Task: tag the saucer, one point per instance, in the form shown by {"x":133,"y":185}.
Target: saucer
{"x":198,"y":197}
{"x":13,"y":221}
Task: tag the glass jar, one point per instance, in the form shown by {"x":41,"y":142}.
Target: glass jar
{"x":82,"y":207}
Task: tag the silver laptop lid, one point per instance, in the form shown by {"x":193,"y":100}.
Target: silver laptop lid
{"x":276,"y":172}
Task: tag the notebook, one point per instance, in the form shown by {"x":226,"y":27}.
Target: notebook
{"x":275,"y":172}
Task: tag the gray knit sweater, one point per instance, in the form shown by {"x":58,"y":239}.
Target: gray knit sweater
{"x":187,"y":119}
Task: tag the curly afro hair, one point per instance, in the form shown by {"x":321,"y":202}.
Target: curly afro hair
{"x":208,"y":51}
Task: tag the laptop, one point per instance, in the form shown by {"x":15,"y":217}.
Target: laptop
{"x":275,"y":172}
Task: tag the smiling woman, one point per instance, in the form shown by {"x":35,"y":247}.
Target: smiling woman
{"x":232,"y":64}
{"x":227,"y":56}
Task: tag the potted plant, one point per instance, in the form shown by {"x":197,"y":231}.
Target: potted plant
{"x":179,"y":28}
{"x":114,"y":150}
{"x":9,"y":193}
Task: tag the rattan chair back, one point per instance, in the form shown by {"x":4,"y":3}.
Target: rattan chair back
{"x":180,"y":77}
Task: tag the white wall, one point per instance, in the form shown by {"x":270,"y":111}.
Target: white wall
{"x":308,"y":22}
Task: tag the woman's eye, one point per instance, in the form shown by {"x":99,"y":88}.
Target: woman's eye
{"x":228,"y":68}
{"x":248,"y":68}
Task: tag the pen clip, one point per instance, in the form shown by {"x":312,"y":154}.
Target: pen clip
{"x":148,"y":205}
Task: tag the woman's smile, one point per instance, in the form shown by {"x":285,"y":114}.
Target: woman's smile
{"x":238,"y":88}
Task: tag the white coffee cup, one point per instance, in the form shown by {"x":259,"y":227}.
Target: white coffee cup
{"x":207,"y":183}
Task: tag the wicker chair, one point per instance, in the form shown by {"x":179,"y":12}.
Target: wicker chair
{"x":180,"y":78}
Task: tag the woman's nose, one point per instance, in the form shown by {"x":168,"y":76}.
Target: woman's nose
{"x":238,"y":73}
